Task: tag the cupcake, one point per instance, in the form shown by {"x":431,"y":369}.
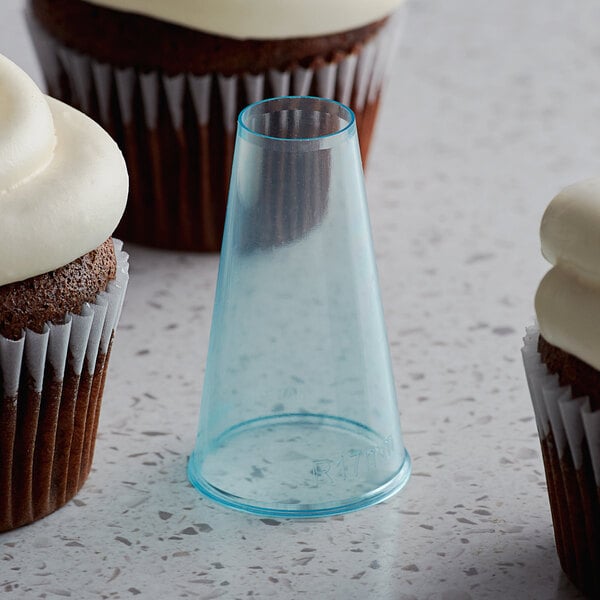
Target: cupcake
{"x":63,"y":188}
{"x":167,"y":80}
{"x":562,"y":363}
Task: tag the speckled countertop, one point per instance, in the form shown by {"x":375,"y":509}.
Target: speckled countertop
{"x":491,"y":109}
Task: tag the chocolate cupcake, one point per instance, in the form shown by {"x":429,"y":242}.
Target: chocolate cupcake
{"x":167,"y":80}
{"x":562,"y":363}
{"x":63,"y":187}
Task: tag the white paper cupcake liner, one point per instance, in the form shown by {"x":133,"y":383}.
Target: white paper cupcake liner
{"x":569,"y":433}
{"x":572,"y":422}
{"x":178,"y":132}
{"x":51,"y":387}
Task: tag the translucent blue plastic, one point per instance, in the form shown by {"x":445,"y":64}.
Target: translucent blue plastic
{"x":299,"y":415}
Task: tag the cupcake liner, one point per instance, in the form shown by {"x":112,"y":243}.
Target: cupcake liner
{"x":51,"y":387}
{"x":178,"y":132}
{"x":570,"y":439}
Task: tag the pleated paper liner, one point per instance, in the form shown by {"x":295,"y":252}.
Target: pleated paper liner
{"x":569,"y":433}
{"x":177,"y":133}
{"x":51,"y":386}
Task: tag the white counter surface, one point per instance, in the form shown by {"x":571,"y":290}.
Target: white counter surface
{"x":491,"y":109}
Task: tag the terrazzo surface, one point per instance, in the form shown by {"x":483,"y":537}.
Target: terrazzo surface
{"x":490,"y":110}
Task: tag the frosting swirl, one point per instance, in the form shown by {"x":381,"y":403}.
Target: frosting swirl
{"x":261,"y":19}
{"x":568,"y":298}
{"x":63,"y":181}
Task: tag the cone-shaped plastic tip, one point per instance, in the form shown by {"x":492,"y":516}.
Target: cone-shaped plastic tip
{"x":299,"y":415}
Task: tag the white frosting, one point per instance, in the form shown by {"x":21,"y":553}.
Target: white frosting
{"x":63,"y":181}
{"x":568,"y":299}
{"x":261,"y":19}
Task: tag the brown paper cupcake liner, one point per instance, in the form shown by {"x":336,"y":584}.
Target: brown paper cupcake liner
{"x":178,"y":132}
{"x":51,"y":386}
{"x":570,"y":440}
